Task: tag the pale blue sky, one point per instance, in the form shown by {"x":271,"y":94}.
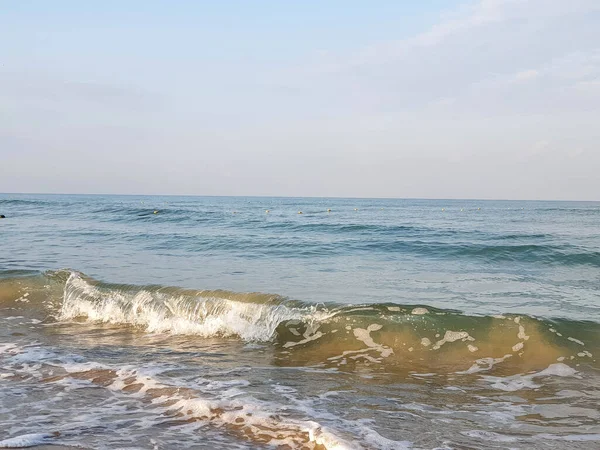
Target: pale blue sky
{"x":483,"y":99}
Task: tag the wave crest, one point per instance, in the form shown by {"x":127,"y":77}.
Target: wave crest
{"x":184,"y":312}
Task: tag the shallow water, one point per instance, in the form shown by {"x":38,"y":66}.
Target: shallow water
{"x":379,"y":324}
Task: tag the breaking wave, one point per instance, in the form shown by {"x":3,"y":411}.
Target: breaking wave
{"x":395,"y":337}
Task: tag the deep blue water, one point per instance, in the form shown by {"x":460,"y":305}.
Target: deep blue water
{"x":481,"y":257}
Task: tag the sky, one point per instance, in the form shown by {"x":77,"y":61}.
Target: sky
{"x":429,"y":99}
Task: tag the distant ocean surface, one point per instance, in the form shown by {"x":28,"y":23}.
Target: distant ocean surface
{"x":231,"y":322}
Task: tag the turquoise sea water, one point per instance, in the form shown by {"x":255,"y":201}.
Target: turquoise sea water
{"x":531,"y":257}
{"x":205,"y":322}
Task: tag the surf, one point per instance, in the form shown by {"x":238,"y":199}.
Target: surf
{"x":389,"y":337}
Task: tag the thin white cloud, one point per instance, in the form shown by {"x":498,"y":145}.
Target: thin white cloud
{"x":490,"y":49}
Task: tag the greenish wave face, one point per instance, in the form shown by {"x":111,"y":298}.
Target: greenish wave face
{"x":385,"y":337}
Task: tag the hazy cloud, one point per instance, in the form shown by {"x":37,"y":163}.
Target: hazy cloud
{"x":499,"y":99}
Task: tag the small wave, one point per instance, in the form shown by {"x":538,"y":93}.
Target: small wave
{"x":23,"y":202}
{"x":345,"y":228}
{"x":400,"y":338}
{"x":306,"y":246}
{"x":567,"y":255}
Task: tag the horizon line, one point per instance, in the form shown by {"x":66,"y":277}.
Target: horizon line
{"x":306,"y":196}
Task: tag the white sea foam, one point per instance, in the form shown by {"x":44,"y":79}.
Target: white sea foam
{"x":484,"y":364}
{"x":489,"y":436}
{"x":577,"y":341}
{"x":378,"y":441}
{"x":452,"y":336}
{"x":517,"y":382}
{"x":518,"y":346}
{"x":558,"y":370}
{"x":365,"y":336}
{"x":28,"y":440}
{"x":204,"y":316}
{"x":308,"y":337}
{"x":252,"y":418}
{"x":255,"y":417}
{"x":521,"y":334}
{"x":9,"y":348}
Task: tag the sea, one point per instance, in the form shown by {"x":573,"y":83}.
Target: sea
{"x":165,"y":322}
